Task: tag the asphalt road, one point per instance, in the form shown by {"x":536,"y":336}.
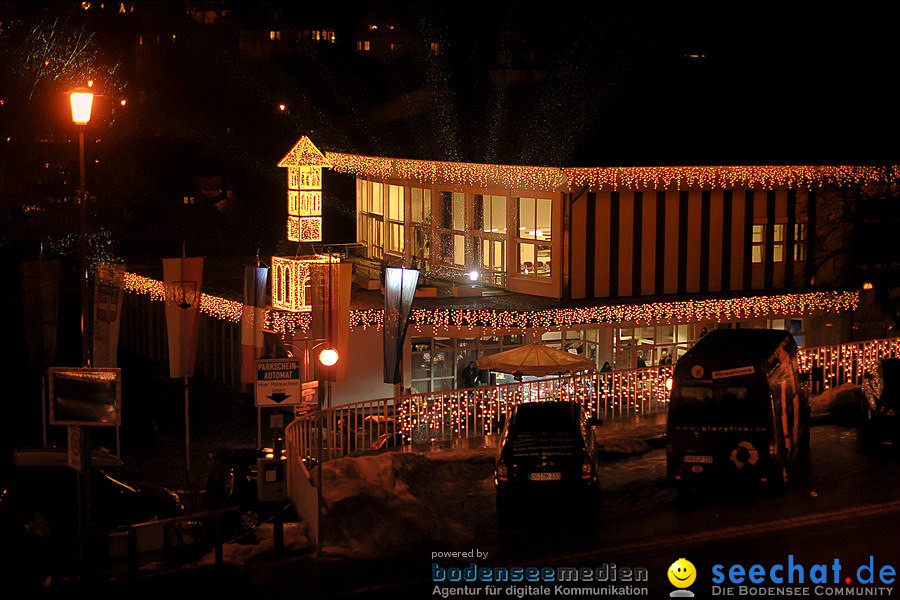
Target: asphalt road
{"x":844,"y":506}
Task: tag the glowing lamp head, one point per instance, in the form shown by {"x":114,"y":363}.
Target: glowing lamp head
{"x":81,"y":106}
{"x":867,"y":285}
{"x":473,"y":275}
{"x":328,"y":357}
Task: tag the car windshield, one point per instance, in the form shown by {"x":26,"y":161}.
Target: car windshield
{"x":736,"y":405}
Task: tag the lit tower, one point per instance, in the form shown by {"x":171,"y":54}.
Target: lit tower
{"x":304,"y":163}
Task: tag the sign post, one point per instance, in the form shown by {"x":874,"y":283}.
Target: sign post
{"x":278,"y":382}
{"x":81,"y":398}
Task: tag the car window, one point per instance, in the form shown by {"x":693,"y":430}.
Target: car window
{"x":743,"y":406}
{"x":695,"y":405}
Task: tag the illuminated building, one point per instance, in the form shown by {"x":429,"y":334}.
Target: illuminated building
{"x":625,"y":265}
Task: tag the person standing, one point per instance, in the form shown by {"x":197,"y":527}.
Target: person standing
{"x":471,"y":375}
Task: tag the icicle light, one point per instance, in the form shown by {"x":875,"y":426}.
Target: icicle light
{"x":610,"y":178}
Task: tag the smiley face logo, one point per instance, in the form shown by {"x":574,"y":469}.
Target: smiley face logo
{"x":682,"y":573}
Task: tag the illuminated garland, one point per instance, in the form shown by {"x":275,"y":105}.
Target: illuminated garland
{"x":575,"y":178}
{"x":686,"y":311}
{"x":214,"y":306}
{"x":451,"y":173}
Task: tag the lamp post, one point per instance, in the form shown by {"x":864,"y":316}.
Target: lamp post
{"x":81,"y":101}
{"x":328,"y":357}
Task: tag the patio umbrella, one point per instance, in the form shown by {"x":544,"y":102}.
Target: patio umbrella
{"x":537,"y":360}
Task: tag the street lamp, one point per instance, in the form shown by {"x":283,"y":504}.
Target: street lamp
{"x":81,"y":101}
{"x":328,"y":357}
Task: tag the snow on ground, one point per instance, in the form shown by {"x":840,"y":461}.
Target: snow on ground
{"x":395,"y":502}
{"x":840,"y":400}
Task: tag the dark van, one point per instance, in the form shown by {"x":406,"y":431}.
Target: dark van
{"x":737,"y":410}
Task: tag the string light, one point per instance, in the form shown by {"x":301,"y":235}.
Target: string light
{"x":597,"y":178}
{"x":651,"y":313}
{"x":304,"y":163}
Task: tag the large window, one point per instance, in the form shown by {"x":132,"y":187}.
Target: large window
{"x":490,"y":229}
{"x":420,"y":218}
{"x":758,"y":242}
{"x":778,"y":242}
{"x":395,"y":218}
{"x":534,"y":219}
{"x":453,"y":228}
{"x":370,"y":230}
{"x":438,"y":363}
{"x":799,"y":242}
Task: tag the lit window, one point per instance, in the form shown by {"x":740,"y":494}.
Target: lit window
{"x":778,"y":242}
{"x":534,"y":222}
{"x":758,"y":243}
{"x":395,"y":218}
{"x":799,"y":241}
{"x":274,"y":36}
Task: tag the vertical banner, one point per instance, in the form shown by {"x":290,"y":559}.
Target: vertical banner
{"x":40,"y":297}
{"x":330,"y":301}
{"x":253,"y":316}
{"x":183,"y":279}
{"x":399,"y":291}
{"x":108,"y":298}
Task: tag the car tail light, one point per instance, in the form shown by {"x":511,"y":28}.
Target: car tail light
{"x":502,"y":471}
{"x":586,"y":468}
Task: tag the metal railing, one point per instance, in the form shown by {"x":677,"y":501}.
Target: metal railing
{"x":456,"y":414}
{"x":834,"y":366}
{"x":472,"y":412}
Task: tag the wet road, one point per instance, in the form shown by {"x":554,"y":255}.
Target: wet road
{"x":844,"y":505}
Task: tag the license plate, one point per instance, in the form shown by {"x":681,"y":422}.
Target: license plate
{"x":699,"y":459}
{"x":545,"y":476}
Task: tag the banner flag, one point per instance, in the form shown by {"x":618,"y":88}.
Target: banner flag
{"x":183,"y":278}
{"x":108,"y":297}
{"x":253,"y":316}
{"x":399,"y":291}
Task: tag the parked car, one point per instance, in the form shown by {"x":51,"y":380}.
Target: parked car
{"x":881,"y":411}
{"x":384,"y":432}
{"x":232,"y":481}
{"x":738,"y":412}
{"x":41,"y":481}
{"x":546,"y":450}
{"x":39,"y":507}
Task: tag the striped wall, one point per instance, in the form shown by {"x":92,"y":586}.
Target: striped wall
{"x":632,"y":243}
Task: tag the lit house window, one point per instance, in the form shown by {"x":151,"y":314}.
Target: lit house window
{"x":490,"y":237}
{"x":274,"y":36}
{"x":799,"y":242}
{"x":371,"y":217}
{"x":778,"y":242}
{"x":533,"y":236}
{"x":395,"y":218}
{"x":420,"y":217}
{"x":453,"y":228}
{"x":363,"y":45}
{"x":758,"y":241}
